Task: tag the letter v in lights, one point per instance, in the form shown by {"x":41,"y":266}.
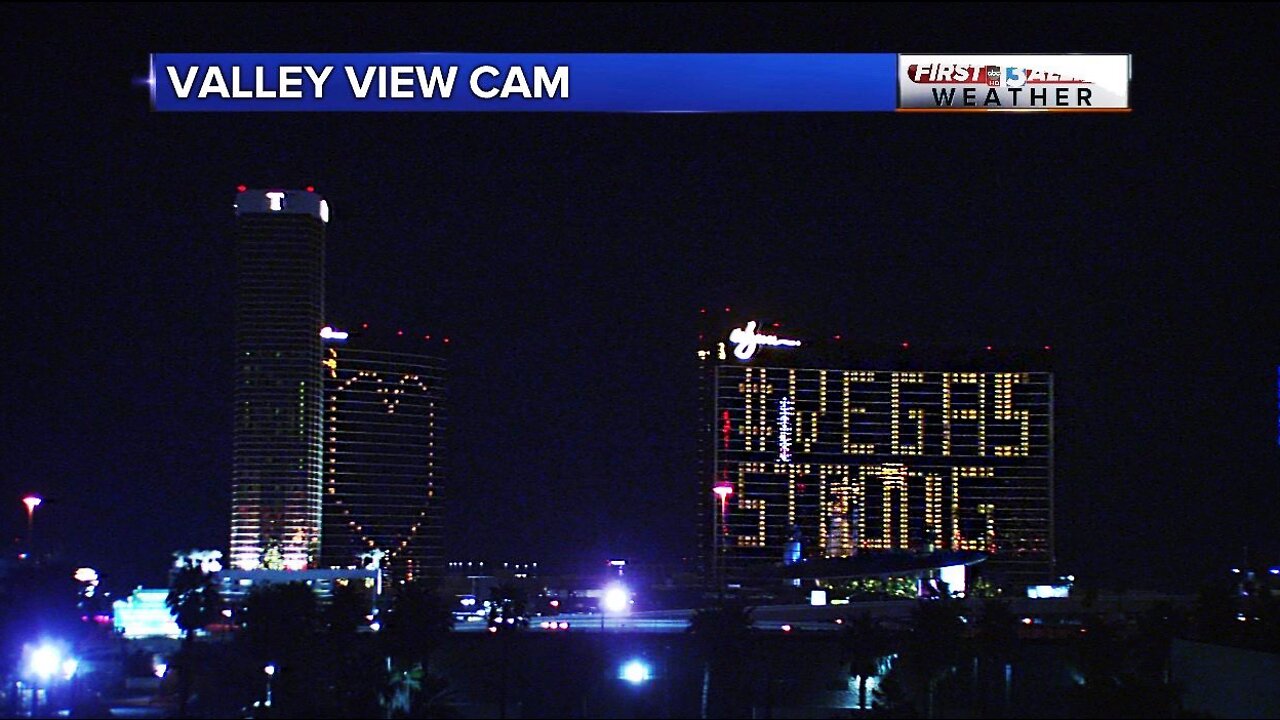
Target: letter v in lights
{"x":746,"y":341}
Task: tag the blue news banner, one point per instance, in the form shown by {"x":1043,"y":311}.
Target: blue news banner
{"x":537,"y":82}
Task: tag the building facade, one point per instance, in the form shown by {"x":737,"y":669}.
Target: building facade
{"x":277,"y":441}
{"x":384,"y":452}
{"x":819,"y":447}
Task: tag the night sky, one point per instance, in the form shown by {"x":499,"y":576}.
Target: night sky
{"x":567,"y":256}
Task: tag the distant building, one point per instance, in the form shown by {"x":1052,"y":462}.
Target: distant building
{"x":276,"y":463}
{"x":144,"y":614}
{"x":384,"y":451}
{"x":816,"y":446}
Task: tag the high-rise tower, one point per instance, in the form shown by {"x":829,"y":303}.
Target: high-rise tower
{"x":384,"y":458}
{"x":277,"y":464}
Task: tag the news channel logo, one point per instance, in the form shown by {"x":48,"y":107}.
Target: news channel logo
{"x":949,"y":83}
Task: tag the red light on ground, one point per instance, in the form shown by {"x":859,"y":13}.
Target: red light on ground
{"x":311,"y":188}
{"x":364,"y":326}
{"x":703,"y":311}
{"x":726,"y":309}
{"x":906,"y":345}
{"x":399,"y":332}
{"x":988,"y":347}
{"x":446,"y":341}
{"x":1047,"y":347}
{"x":835,"y":337}
{"x":241,"y":188}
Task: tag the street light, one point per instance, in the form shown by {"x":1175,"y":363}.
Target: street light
{"x":722,"y":490}
{"x":616,"y":600}
{"x":45,"y":661}
{"x":32,"y":502}
{"x":270,"y":670}
{"x":636,"y":672}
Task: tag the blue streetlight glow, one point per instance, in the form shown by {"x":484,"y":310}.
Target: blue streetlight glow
{"x":45,"y":661}
{"x":616,"y":599}
{"x":48,"y":662}
{"x":636,"y":672}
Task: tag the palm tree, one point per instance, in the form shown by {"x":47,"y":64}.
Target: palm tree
{"x":195,"y":604}
{"x":415,"y":624}
{"x":996,"y":637}
{"x":347,"y":612}
{"x":280,"y":626}
{"x":720,"y":632}
{"x":402,"y":686}
{"x":507,"y":607}
{"x":193,"y":600}
{"x":414,"y":693}
{"x":933,"y":648}
{"x":866,"y":648}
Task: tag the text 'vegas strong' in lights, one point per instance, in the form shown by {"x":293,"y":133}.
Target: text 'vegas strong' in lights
{"x":746,"y":340}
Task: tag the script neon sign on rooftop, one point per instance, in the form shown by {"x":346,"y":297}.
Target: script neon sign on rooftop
{"x":746,"y":341}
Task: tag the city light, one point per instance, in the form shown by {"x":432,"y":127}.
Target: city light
{"x":746,"y":340}
{"x":32,"y":502}
{"x":47,"y":662}
{"x":44,"y":662}
{"x":723,"y":490}
{"x":616,"y":599}
{"x":270,"y":669}
{"x":636,"y":672}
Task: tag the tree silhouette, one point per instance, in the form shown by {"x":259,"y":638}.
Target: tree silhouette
{"x":413,"y":693}
{"x":347,"y":612}
{"x":865,"y":647}
{"x":415,"y":624}
{"x":934,"y":646}
{"x":279,"y":619}
{"x":193,"y":600}
{"x":996,"y":643}
{"x":195,"y":604}
{"x":721,"y":634}
{"x":280,"y":626}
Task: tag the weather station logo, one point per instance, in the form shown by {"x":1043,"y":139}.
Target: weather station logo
{"x":957,"y":83}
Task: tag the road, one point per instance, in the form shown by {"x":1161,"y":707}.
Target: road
{"x":674,"y":621}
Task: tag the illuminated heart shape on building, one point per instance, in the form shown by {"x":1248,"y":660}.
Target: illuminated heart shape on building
{"x":393,"y":408}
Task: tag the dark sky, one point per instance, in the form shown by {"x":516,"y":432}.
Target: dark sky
{"x":567,"y":257}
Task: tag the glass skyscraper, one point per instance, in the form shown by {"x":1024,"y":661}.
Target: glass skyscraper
{"x":826,"y":447}
{"x":384,"y":452}
{"x":277,"y":442}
